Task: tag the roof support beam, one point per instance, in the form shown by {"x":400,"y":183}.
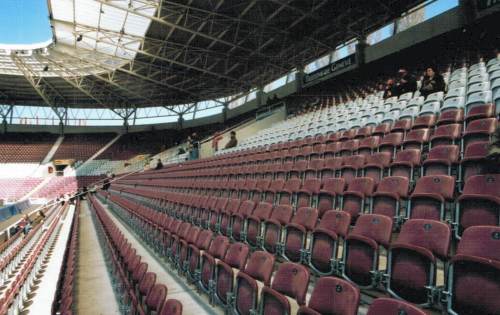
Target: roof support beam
{"x":47,"y":92}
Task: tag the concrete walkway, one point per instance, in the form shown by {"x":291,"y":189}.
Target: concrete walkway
{"x":94,"y":294}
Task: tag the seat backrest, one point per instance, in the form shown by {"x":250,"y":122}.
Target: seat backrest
{"x":334,"y":296}
{"x":156,"y":297}
{"x":394,"y":184}
{"x":442,"y":185}
{"x":418,"y":135}
{"x":236,"y":255}
{"x":412,"y":156}
{"x":387,"y":306}
{"x":171,"y":307}
{"x":481,"y":241}
{"x":233,"y":205}
{"x":336,"y":221}
{"x":139,"y":272}
{"x":282,"y":214}
{"x":354,"y":161}
{"x":306,"y":216}
{"x":393,"y":138}
{"x":292,"y":280}
{"x":445,"y":152}
{"x":204,"y":239}
{"x":219,"y":246}
{"x":312,"y":185}
{"x":374,"y":226}
{"x":485,"y":185}
{"x":485,"y":125}
{"x":263,"y":210}
{"x":382,"y":159}
{"x":147,"y":283}
{"x":477,"y":150}
{"x":450,"y":130}
{"x":260,"y":266}
{"x":246,"y":208}
{"x":334,"y":185}
{"x":277,"y":184}
{"x":364,"y":185}
{"x":292,"y":184}
{"x":432,"y":235}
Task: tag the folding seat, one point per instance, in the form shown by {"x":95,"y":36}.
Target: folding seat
{"x":282,"y":170}
{"x":471,"y":163}
{"x":287,"y":194}
{"x":318,"y":150}
{"x":332,"y":149}
{"x":417,"y":139}
{"x":225,"y":272}
{"x":412,"y":260}
{"x":446,"y":134}
{"x":273,"y":227}
{"x":376,"y":165}
{"x":237,"y":228}
{"x":349,"y":147}
{"x":216,"y":213}
{"x":287,"y":292}
{"x":402,"y":125}
{"x":362,"y":247}
{"x":391,"y":142}
{"x":430,"y":198}
{"x":183,"y":246}
{"x":473,"y":273}
{"x":260,"y":187}
{"x":387,"y":306}
{"x":224,"y":225}
{"x":405,"y":163}
{"x":332,"y":296}
{"x":347,"y":135}
{"x":480,"y":111}
{"x":308,"y":193}
{"x":330,"y":194}
{"x":139,"y":272}
{"x":382,"y":129}
{"x":424,"y":121}
{"x":455,"y":92}
{"x":246,"y":190}
{"x":478,"y":94}
{"x":436,"y":96}
{"x":216,"y":251}
{"x":478,"y":130}
{"x":304,"y":153}
{"x":192,"y":262}
{"x":441,"y":160}
{"x":296,"y":232}
{"x":271,"y":193}
{"x":479,"y":203}
{"x":391,"y":197}
{"x":357,"y":196}
{"x":313,"y":168}
{"x":147,"y":283}
{"x":368,"y":145}
{"x":364,"y":132}
{"x":155,"y":299}
{"x":331,"y":167}
{"x":254,"y":223}
{"x":352,"y":167}
{"x":322,"y":252}
{"x":298,"y":169}
{"x":249,"y":283}
{"x":171,"y":307}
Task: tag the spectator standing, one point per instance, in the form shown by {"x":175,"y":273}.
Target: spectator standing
{"x":232,"y":140}
{"x":194,"y":146}
{"x":406,"y":82}
{"x":432,"y":82}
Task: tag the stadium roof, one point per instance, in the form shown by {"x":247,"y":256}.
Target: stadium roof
{"x":141,"y":53}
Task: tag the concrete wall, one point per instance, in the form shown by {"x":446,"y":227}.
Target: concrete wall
{"x":244,"y":131}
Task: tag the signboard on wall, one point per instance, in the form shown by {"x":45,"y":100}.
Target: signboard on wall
{"x":333,"y":69}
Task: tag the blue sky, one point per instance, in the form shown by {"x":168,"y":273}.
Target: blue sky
{"x":24,"y":21}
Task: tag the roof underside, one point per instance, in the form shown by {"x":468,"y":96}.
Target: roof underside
{"x":117,"y":53}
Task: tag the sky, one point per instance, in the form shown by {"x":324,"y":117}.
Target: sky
{"x":24,"y":22}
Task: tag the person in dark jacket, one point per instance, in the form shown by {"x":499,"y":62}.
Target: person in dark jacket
{"x":433,"y":82}
{"x":390,"y":89}
{"x":159,"y":165}
{"x":232,"y":140}
{"x":406,"y":82}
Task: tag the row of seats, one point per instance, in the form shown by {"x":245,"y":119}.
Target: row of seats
{"x":63,"y":299}
{"x":471,"y":90}
{"x":25,"y":147}
{"x":20,"y":270}
{"x":139,"y":289}
{"x":82,"y":146}
{"x":12,"y":189}
{"x":433,"y":197}
{"x":62,"y":185}
{"x":202,"y":253}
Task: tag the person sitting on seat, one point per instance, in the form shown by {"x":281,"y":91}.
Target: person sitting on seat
{"x":432,"y":82}
{"x":232,"y":140}
{"x":159,"y":165}
{"x":406,"y":82}
{"x":491,"y":163}
{"x":390,"y":89}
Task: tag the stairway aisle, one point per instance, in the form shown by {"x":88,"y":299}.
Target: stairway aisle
{"x":94,"y":293}
{"x":192,"y":302}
